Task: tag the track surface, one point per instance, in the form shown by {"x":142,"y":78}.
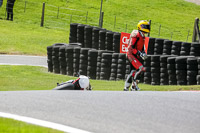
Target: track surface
{"x":109,"y":111}
{"x":105,"y":111}
{"x":23,"y":60}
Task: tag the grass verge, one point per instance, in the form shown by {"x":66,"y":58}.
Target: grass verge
{"x":14,"y":78}
{"x":13,"y":126}
{"x":25,"y":36}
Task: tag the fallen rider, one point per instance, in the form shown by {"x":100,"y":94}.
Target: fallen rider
{"x":82,"y":83}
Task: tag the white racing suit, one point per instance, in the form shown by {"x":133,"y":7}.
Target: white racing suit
{"x":82,"y":83}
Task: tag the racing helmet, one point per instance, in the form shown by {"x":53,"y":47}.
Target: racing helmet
{"x":84,"y":82}
{"x":144,"y":26}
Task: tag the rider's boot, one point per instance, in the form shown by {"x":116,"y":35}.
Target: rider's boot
{"x":134,"y":86}
{"x":129,"y":80}
{"x":127,"y":85}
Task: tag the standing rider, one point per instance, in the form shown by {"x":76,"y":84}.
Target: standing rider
{"x":136,"y":53}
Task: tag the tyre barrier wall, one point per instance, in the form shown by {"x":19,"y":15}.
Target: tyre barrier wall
{"x":94,"y":52}
{"x":94,"y":37}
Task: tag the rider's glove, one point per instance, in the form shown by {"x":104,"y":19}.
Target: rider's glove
{"x":143,"y":55}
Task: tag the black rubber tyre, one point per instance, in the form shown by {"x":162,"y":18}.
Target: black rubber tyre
{"x":102,"y":40}
{"x":116,"y":42}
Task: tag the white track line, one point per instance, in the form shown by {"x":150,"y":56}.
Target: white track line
{"x":43,"y":123}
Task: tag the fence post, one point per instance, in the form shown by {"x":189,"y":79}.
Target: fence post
{"x":196,"y":30}
{"x":150,"y":28}
{"x":115,"y":22}
{"x":101,"y":22}
{"x":25,"y":7}
{"x":159,"y":30}
{"x":86,"y":16}
{"x":171,"y":34}
{"x":42,"y":18}
{"x":188,"y":35}
{"x":58,"y":13}
{"x":70,"y":19}
{"x":100,"y":16}
{"x":5,"y":13}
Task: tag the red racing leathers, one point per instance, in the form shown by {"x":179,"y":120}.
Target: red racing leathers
{"x":136,"y":46}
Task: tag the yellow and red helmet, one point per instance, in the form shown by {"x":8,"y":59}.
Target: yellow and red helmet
{"x":144,"y":26}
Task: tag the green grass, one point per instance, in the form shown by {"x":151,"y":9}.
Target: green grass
{"x":27,"y":39}
{"x":28,"y":78}
{"x":15,"y":78}
{"x":13,"y":126}
{"x":25,"y":36}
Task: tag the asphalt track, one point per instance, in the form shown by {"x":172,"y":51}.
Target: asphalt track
{"x":108,"y":111}
{"x":23,"y":60}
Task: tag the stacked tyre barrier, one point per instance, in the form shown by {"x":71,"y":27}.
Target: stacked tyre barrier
{"x":106,"y":61}
{"x":92,"y":63}
{"x":55,"y":56}
{"x":192,"y":71}
{"x":73,"y":33}
{"x":155,"y":70}
{"x":171,"y":66}
{"x":49,"y":58}
{"x":69,"y":60}
{"x":176,"y":48}
{"x":98,"y":69}
{"x":185,"y":49}
{"x":151,"y":46}
{"x":181,"y":70}
{"x":158,"y":47}
{"x":164,"y":76}
{"x":195,"y":49}
{"x":168,"y":63}
{"x":83,"y":61}
{"x":198,"y":76}
{"x":95,"y":38}
{"x":55,"y":59}
{"x":167,"y":46}
{"x":147,"y":73}
{"x":80,"y":34}
{"x":121,"y":67}
{"x":109,"y":41}
{"x":62,"y":60}
{"x":116,"y":42}
{"x":76,"y":58}
{"x":114,"y":65}
{"x":106,"y":65}
{"x":88,"y":37}
{"x":102,"y":40}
